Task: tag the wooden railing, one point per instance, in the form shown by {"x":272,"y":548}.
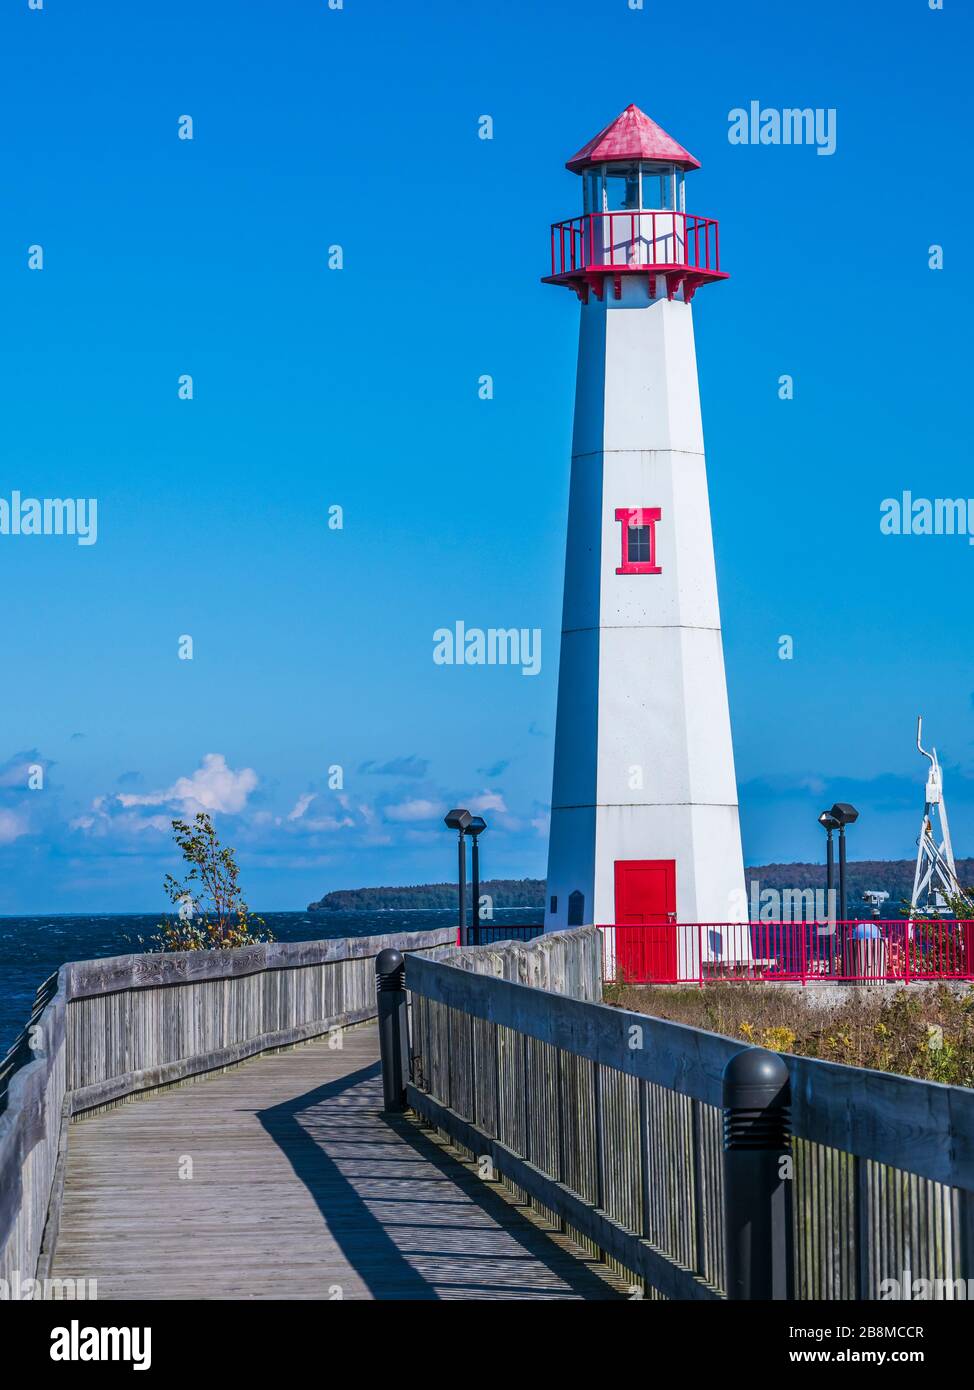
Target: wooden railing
{"x":610,"y":1122}
{"x":606,"y":1121}
{"x":32,"y":1133}
{"x":108,"y":1029}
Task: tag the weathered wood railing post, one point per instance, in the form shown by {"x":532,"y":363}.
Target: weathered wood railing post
{"x":390,"y":984}
{"x":757,"y":1177}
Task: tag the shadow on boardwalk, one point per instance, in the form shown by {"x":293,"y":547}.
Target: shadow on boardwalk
{"x":409,"y":1219}
{"x":282,"y":1179}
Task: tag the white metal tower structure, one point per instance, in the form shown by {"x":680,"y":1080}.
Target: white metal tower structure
{"x":644,"y":818}
{"x":936,"y":872}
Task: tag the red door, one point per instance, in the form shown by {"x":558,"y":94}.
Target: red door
{"x":645,"y":911}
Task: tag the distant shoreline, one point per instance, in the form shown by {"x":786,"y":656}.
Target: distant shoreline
{"x":520,"y":894}
{"x":893,"y":876}
{"x":159,"y":913}
{"x":507,"y":907}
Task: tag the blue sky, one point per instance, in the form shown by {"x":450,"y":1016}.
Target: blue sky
{"x":312,"y":647}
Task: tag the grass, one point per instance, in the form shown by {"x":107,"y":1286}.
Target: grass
{"x":928,"y":1034}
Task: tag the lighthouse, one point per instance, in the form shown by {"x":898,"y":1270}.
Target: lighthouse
{"x":644,"y":819}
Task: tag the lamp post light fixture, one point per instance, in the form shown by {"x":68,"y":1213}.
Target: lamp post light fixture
{"x":458,"y":820}
{"x":844,"y":815}
{"x":829,"y":823}
{"x":475,"y":828}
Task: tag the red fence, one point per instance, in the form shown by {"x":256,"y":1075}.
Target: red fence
{"x":635,"y":240}
{"x":862,"y":952}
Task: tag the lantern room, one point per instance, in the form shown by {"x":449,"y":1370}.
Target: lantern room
{"x":633,"y":186}
{"x":634,"y":217}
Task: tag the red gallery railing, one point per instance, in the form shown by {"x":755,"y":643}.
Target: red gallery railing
{"x":626,"y":241}
{"x":860,"y":952}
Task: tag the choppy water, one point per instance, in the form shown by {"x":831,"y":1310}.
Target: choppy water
{"x":31,"y":948}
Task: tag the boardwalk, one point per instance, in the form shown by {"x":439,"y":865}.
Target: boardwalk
{"x":300,"y":1188}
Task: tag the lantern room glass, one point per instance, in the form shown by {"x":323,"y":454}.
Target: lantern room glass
{"x":621,"y":188}
{"x":632,"y":187}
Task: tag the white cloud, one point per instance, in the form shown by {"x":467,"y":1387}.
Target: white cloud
{"x":416,"y":809}
{"x":102,"y":824}
{"x":328,"y":823}
{"x":487,"y":801}
{"x":12,"y":827}
{"x":302,"y":823}
{"x":212,"y":787}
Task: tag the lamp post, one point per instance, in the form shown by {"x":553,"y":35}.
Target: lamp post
{"x":458,"y":820}
{"x":829,"y":823}
{"x":845,"y":815}
{"x":476,"y":827}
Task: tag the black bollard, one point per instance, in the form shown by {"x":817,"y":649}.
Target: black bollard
{"x":757,"y":1176}
{"x":390,"y":986}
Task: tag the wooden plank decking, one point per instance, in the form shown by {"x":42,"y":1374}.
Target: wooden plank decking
{"x":300,"y":1188}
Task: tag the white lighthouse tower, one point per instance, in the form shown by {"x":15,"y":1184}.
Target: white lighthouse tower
{"x":644,"y":817}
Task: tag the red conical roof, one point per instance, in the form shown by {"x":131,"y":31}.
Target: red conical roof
{"x":632,"y":136}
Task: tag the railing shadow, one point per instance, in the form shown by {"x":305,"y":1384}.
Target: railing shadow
{"x":411,"y":1221}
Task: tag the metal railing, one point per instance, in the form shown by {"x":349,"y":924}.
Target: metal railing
{"x":856,"y":951}
{"x":488,"y":933}
{"x":635,"y":240}
{"x":616,"y":1125}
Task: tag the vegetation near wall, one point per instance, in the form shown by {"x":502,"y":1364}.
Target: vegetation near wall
{"x":211,"y":913}
{"x":925,"y":1033}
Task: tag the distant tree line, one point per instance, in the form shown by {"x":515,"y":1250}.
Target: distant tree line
{"x":895,"y":876}
{"x":505,"y":892}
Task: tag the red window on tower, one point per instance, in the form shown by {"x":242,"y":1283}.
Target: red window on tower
{"x":638,"y":539}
